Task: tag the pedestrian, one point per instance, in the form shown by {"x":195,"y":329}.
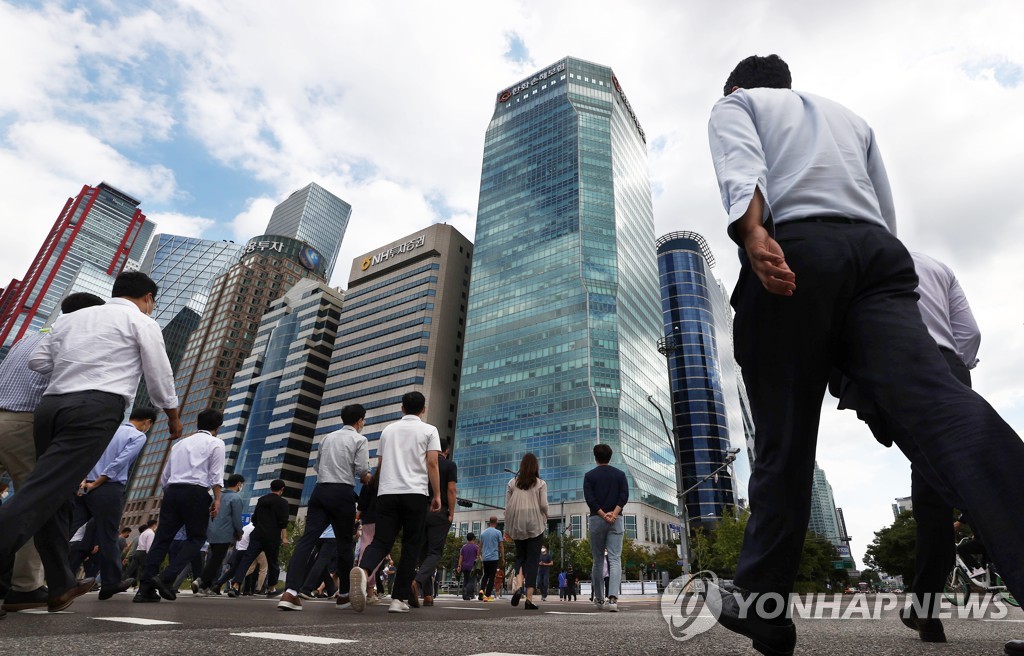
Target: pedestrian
{"x":468,"y":557}
{"x":367,"y":508}
{"x":224,"y":530}
{"x":824,"y":284}
{"x":234,"y":559}
{"x":499,"y":582}
{"x":146,"y":534}
{"x":344,"y":459}
{"x":95,"y":358}
{"x":606,"y":491}
{"x":543,"y":568}
{"x":438,"y":524}
{"x":570,"y":584}
{"x":526,"y":519}
{"x":122,"y":543}
{"x":492,"y":552}
{"x":270,"y":519}
{"x":21,"y":392}
{"x":100,"y":497}
{"x":561,"y":585}
{"x":322,"y":565}
{"x":195,"y":467}
{"x":408,"y":451}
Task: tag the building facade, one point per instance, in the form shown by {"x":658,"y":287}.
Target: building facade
{"x":564,"y":310}
{"x":99,"y":227}
{"x":824,"y":518}
{"x":316,"y":216}
{"x":222,"y":340}
{"x":401,"y":330}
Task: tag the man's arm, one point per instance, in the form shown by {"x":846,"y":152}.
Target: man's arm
{"x":880,"y":183}
{"x":235,"y":508}
{"x":282,"y":519}
{"x":766,"y":257}
{"x":41,"y":360}
{"x":588,"y":492}
{"x":435,"y":480}
{"x":159,"y":375}
{"x":965,"y":328}
{"x":451,"y":500}
{"x":215,"y":508}
{"x":123,"y":460}
{"x":362,"y":461}
{"x":215,"y":474}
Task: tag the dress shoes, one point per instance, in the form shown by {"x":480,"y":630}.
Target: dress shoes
{"x":414,"y":598}
{"x":145,"y":597}
{"x":107,"y":593}
{"x":929,"y":629}
{"x":1014,"y":648}
{"x":62,"y":601}
{"x":163,"y":588}
{"x":428,"y":600}
{"x":289,"y":602}
{"x":769,"y":639}
{"x":15,"y":601}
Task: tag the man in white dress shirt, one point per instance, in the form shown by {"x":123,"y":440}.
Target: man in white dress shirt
{"x":826,"y":284}
{"x":195,"y":467}
{"x":95,"y":358}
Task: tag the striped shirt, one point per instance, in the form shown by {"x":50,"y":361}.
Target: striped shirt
{"x":21,"y":389}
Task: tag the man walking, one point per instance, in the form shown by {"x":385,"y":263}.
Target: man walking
{"x":101,"y":496}
{"x":142,"y":545}
{"x":21,"y":391}
{"x":270,"y":531}
{"x":543,"y":572}
{"x":606,"y":491}
{"x":438,"y":525}
{"x":408,"y":451}
{"x":195,"y":466}
{"x":825,"y":284}
{"x":468,"y":557}
{"x":224,"y":530}
{"x":344,"y":459}
{"x":492,"y":552}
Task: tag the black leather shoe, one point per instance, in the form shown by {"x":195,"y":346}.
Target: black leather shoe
{"x":164,"y":589}
{"x":1014,"y":648}
{"x":145,"y":597}
{"x":929,"y":629}
{"x":769,"y":639}
{"x":15,"y":600}
{"x":107,"y":593}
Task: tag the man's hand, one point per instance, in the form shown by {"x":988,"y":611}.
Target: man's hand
{"x":175,"y":427}
{"x":435,"y":503}
{"x":451,"y":516}
{"x":214,"y":508}
{"x":769,"y":262}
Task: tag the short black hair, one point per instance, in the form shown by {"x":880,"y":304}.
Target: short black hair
{"x":352,"y":413}
{"x":151,"y":523}
{"x":413,"y":403}
{"x":142,"y":413}
{"x":602,"y":453}
{"x":209,"y":419}
{"x":276,"y":484}
{"x":470,"y":537}
{"x":235,"y":479}
{"x":79,"y":301}
{"x":445,"y":443}
{"x":754,"y":72}
{"x":125,"y":529}
{"x":133,"y":284}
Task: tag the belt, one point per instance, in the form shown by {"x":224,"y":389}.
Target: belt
{"x":824,"y":219}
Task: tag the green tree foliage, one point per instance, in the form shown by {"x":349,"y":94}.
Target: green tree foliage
{"x":728,"y":540}
{"x":634,"y":557}
{"x":665,"y":560}
{"x":892,"y":550}
{"x":295,"y":531}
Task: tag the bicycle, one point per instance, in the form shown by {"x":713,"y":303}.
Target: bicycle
{"x":960,"y":584}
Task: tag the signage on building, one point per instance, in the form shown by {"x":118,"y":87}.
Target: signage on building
{"x":629,"y":108}
{"x":844,"y":551}
{"x":263,"y":245}
{"x":309,"y":258}
{"x":299,"y":251}
{"x":505,"y":95}
{"x":382,"y":256}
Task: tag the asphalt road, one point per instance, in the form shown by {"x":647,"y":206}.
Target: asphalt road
{"x":197,"y":626}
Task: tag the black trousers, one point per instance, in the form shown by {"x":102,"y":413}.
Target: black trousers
{"x":71,"y":432}
{"x":331,"y":504}
{"x":271,"y":549}
{"x":233,"y":563}
{"x":182,"y":505}
{"x":135,"y":565}
{"x":214,"y":562}
{"x":103,"y":506}
{"x":487,"y":582}
{"x":435,"y":534}
{"x":405,"y":513}
{"x":527,"y":557}
{"x":855,"y":309}
{"x":320,"y":566}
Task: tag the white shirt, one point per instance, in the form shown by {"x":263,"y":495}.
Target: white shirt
{"x":809,"y":156}
{"x":195,"y":460}
{"x":403,"y":450}
{"x":945,"y":310}
{"x":344,"y":456}
{"x":243,"y":544}
{"x":106,"y":348}
{"x":146,"y":540}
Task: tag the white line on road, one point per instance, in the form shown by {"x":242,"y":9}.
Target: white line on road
{"x":135,"y":620}
{"x":43,"y":611}
{"x":467,"y":608}
{"x":316,"y":640}
{"x":1004,"y":620}
{"x":499,"y":653}
{"x":564,"y":612}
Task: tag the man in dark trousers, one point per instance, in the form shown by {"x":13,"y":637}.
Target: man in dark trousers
{"x":492,"y":552}
{"x":438,"y":525}
{"x":270,"y":521}
{"x":606,"y":491}
{"x":225,"y":529}
{"x":195,"y":467}
{"x":825,"y":284}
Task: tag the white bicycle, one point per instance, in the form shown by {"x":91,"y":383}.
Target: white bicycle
{"x":960,"y":584}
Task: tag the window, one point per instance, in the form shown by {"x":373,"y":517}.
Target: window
{"x":629,"y":526}
{"x":576,"y":526}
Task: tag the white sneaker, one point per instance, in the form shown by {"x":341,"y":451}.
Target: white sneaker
{"x":599,"y":603}
{"x":611,"y":606}
{"x":372,"y":599}
{"x":398,"y":606}
{"x":357,"y":588}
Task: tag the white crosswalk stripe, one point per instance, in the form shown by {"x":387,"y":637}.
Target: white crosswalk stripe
{"x":142,"y":621}
{"x":315,"y":640}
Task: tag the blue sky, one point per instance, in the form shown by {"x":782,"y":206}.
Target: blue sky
{"x":212,"y":112}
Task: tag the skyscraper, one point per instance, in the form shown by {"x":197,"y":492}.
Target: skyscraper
{"x":313,"y":215}
{"x":564,"y":309}
{"x":272,"y":409}
{"x":99,"y":227}
{"x":710,"y":412}
{"x":824,"y":520}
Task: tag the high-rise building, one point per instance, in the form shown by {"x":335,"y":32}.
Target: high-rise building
{"x":223,"y":338}
{"x":401,"y":331}
{"x":99,"y":227}
{"x":710,"y":411}
{"x":316,"y":216}
{"x":272,"y":409}
{"x":902,"y":505}
{"x":824,"y":519}
{"x":564,"y":310}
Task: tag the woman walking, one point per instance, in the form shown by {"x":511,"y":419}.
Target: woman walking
{"x":526,"y":519}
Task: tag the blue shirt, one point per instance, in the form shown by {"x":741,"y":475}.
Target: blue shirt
{"x":490,"y":538}
{"x":328,"y":533}
{"x":605,"y":487}
{"x":21,"y":389}
{"x":119,"y":455}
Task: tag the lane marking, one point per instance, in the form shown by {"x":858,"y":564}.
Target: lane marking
{"x":482,"y":610}
{"x":1004,"y":620}
{"x":499,"y":653}
{"x":562,"y":612}
{"x":144,"y":621}
{"x":43,"y":611}
{"x":316,"y":640}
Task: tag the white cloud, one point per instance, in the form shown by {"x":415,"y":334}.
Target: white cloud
{"x":173,"y":223}
{"x":253,"y":220}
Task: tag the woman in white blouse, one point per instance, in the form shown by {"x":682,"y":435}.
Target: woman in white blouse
{"x":526,"y":519}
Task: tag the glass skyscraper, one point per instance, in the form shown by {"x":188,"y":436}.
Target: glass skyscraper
{"x":313,"y":215}
{"x":564,"y":309}
{"x":824,"y":518}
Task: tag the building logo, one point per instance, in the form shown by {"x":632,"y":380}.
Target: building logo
{"x":366,"y":264}
{"x":505,"y":95}
{"x":309,"y":258}
{"x":685,"y":608}
{"x":629,"y":108}
{"x":382,"y":256}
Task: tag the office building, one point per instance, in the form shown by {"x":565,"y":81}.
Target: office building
{"x":824,"y":518}
{"x":97,"y":228}
{"x":316,"y":216}
{"x":902,"y":505}
{"x":272,"y":408}
{"x":564,"y":310}
{"x":401,"y":330}
{"x":222,"y":340}
{"x":710,"y":412}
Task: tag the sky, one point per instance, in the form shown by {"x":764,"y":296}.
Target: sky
{"x":212,"y":112}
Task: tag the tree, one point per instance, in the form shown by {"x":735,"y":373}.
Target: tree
{"x":295,"y":531}
{"x":665,"y":559}
{"x":633,"y":559}
{"x":700,"y":549}
{"x":892,"y":550}
{"x":815,"y":563}
{"x":728,"y":541}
